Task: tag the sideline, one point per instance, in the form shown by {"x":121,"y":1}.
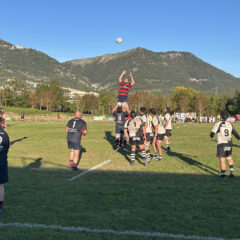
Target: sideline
{"x":89,"y":170}
{"x":110,"y":231}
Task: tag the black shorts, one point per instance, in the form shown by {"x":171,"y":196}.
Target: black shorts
{"x":119,"y":129}
{"x":122,"y":98}
{"x":3,"y":168}
{"x":136,"y":140}
{"x":74,"y":145}
{"x":160,"y":136}
{"x":149,"y":137}
{"x":224,"y":150}
{"x":168,"y":133}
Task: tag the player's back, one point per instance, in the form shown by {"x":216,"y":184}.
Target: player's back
{"x":75,"y":129}
{"x":135,"y":127}
{"x":224,"y":131}
{"x":120,"y":117}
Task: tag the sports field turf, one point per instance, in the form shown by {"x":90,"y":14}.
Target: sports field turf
{"x":182,"y":194}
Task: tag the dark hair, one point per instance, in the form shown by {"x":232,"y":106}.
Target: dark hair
{"x":143,"y":109}
{"x":153,"y":111}
{"x":133,"y":114}
{"x":224,"y":115}
{"x":168,"y":109}
{"x":119,"y":109}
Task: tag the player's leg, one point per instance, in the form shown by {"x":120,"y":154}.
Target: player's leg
{"x":154,"y":148}
{"x":148,"y":155}
{"x":117,"y":142}
{"x":166,"y":139}
{"x":71,"y":157}
{"x":231,"y":165}
{"x":133,"y":154}
{"x":125,"y":104}
{"x":124,"y":143}
{"x":159,"y":148}
{"x":142,"y":147}
{"x":1,"y":197}
{"x":75,"y":157}
{"x":222,"y":167}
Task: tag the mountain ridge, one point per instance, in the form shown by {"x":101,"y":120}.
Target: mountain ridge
{"x":158,"y":72}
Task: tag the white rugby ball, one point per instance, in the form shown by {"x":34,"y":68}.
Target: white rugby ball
{"x":118,"y":40}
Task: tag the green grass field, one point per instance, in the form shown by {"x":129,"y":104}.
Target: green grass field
{"x":182,"y":194}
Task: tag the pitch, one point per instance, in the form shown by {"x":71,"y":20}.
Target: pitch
{"x":182,"y":194}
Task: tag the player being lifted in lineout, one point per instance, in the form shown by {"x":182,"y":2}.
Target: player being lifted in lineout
{"x":124,"y":88}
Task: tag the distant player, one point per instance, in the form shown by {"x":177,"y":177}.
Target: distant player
{"x":149,"y":132}
{"x":167,"y":127}
{"x":2,"y":119}
{"x":159,"y":133}
{"x":76,"y":128}
{"x":124,"y":88}
{"x":4,"y":146}
{"x":120,"y":118}
{"x":224,"y":131}
{"x":135,"y":134}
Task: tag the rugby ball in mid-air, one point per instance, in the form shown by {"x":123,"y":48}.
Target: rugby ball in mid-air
{"x":118,"y":40}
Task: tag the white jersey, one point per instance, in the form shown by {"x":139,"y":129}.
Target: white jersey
{"x":134,"y":127}
{"x":157,"y":121}
{"x":224,"y":132}
{"x":167,"y":116}
{"x":147,"y":121}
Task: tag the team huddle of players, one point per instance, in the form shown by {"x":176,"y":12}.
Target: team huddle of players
{"x":142,"y":130}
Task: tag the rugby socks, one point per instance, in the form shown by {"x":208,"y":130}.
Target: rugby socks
{"x":148,"y":156}
{"x":143,"y":153}
{"x":117,"y":143}
{"x":223,"y":174}
{"x":1,"y":204}
{"x":168,"y":145}
{"x":132,"y":157}
{"x":70,"y":162}
{"x":231,"y":170}
{"x":125,"y":143}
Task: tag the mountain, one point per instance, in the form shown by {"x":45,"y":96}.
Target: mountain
{"x":158,"y":72}
{"x":34,"y":66}
{"x":155,"y":71}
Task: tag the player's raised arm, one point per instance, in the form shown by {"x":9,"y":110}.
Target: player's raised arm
{"x":120,"y":78}
{"x":132,"y":79}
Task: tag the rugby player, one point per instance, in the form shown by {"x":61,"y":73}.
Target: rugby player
{"x":120,"y":116}
{"x":76,"y":128}
{"x":149,"y":132}
{"x":159,"y":133}
{"x":4,"y":146}
{"x":2,"y":119}
{"x":124,"y":88}
{"x":167,"y":127}
{"x":135,"y":134}
{"x":224,"y":131}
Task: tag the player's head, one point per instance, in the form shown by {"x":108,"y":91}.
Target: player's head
{"x":142,"y":110}
{"x":126,"y":80}
{"x":78,"y":114}
{"x":167,"y":110}
{"x":133,"y":114}
{"x":119,"y":109}
{"x":224,"y":115}
{"x":153,"y":111}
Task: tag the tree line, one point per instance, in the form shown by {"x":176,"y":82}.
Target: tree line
{"x":51,"y":96}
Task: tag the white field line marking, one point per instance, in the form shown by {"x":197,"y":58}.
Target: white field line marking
{"x":89,"y":170}
{"x":110,"y":231}
{"x":52,"y":169}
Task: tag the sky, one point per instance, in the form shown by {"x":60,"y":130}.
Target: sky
{"x":74,"y":29}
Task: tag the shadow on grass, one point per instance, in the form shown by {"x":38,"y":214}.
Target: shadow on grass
{"x":111,"y":139}
{"x":17,"y":140}
{"x":189,"y":160}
